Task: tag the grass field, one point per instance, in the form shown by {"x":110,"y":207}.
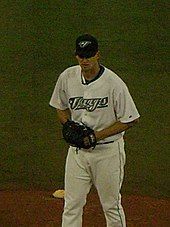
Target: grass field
{"x":37,"y":43}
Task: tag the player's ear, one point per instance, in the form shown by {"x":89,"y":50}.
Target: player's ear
{"x":77,"y":57}
{"x":98,"y":55}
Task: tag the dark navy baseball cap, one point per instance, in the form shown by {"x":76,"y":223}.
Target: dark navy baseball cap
{"x":86,"y":46}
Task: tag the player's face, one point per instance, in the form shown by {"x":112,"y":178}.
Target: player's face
{"x":88,"y":63}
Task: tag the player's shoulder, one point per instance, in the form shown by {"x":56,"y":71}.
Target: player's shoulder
{"x":113,"y":78}
{"x":69,"y":74}
{"x":71,"y":71}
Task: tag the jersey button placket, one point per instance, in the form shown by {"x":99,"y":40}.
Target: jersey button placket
{"x":85,"y":112}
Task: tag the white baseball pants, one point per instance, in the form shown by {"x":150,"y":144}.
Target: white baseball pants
{"x":103,"y":167}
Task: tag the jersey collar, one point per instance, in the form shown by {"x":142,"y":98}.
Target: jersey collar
{"x":86,"y":82}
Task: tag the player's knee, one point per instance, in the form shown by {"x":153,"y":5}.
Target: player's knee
{"x":107,"y":207}
{"x":76,"y":203}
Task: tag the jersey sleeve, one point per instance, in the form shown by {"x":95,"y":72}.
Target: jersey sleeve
{"x":59,"y":98}
{"x":124,"y":105}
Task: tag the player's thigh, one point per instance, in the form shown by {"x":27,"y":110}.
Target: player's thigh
{"x":77,"y":179}
{"x":110,"y":170}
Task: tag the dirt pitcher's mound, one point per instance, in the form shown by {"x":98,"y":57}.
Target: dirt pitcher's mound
{"x":39,"y":208}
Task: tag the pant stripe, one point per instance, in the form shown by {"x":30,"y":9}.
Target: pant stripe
{"x":120,"y":182}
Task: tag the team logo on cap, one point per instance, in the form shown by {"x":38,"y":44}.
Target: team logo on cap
{"x":83,"y":44}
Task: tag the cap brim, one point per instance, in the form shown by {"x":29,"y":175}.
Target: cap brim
{"x":85,"y":54}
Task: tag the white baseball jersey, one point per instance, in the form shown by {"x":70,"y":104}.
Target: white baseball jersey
{"x":98,"y":103}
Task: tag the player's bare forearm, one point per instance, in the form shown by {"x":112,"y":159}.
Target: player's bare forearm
{"x":114,"y":129}
{"x":63,"y":115}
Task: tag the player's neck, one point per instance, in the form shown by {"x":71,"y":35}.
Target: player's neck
{"x":91,"y":73}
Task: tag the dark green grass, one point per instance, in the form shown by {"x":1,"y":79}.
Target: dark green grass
{"x":37,"y":43}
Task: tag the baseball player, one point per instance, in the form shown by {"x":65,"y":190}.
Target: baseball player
{"x":91,"y":94}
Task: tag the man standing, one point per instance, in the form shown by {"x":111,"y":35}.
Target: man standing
{"x":91,"y":94}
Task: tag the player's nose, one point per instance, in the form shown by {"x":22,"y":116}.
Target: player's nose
{"x":84,"y":59}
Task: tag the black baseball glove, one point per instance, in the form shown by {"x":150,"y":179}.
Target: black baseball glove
{"x":79,"y":135}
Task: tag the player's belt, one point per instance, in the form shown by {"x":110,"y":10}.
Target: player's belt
{"x":107,"y":142}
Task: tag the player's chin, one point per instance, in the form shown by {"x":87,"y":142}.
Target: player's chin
{"x":86,"y":67}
